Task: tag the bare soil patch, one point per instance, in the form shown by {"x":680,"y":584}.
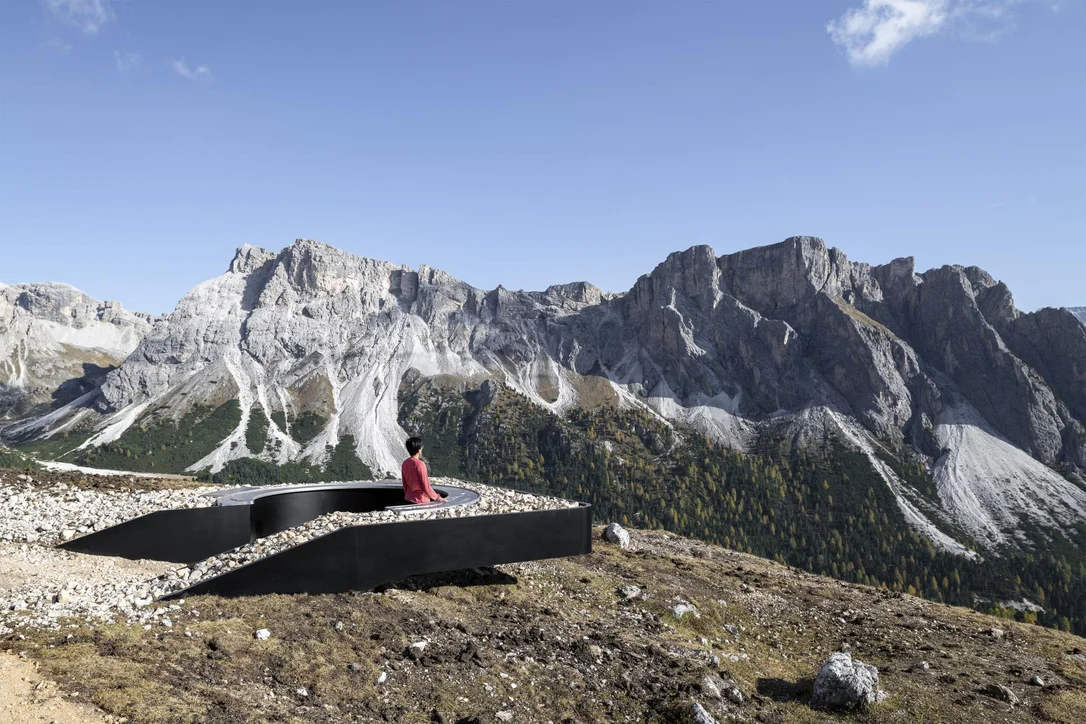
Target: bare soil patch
{"x":27,"y":698}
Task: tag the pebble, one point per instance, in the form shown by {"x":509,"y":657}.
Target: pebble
{"x":1037,"y":680}
{"x":262,"y":634}
{"x":504,"y":716}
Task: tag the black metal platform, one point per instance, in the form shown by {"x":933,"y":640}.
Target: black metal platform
{"x":355,"y":558}
{"x":362,"y":557}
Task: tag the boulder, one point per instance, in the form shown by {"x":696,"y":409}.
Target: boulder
{"x":617,"y":535}
{"x":845,"y":683}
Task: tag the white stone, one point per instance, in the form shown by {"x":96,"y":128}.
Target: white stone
{"x":617,"y":535}
{"x":683,"y":608}
{"x":845,"y":683}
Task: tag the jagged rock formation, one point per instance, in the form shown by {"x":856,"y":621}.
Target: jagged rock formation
{"x":790,"y":342}
{"x":56,"y":344}
{"x":1079,"y":312}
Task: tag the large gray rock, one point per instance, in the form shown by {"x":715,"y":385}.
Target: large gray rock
{"x":845,"y":683}
{"x":618,"y":535}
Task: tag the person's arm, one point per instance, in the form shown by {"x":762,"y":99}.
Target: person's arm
{"x":430,"y":493}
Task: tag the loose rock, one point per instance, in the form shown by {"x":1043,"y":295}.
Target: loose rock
{"x":618,"y":535}
{"x":683,"y":608}
{"x":998,"y":691}
{"x":845,"y":683}
{"x":699,"y":715}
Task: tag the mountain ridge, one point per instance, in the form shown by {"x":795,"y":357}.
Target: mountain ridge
{"x":791,"y":339}
{"x":57,"y":343}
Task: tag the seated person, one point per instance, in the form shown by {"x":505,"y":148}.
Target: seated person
{"x":416,"y":483}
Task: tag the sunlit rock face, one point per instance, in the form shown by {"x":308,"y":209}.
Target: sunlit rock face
{"x":57,"y":343}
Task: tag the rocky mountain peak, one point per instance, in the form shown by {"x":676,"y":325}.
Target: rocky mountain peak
{"x":249,"y":258}
{"x":782,"y":275}
{"x":578,"y":292}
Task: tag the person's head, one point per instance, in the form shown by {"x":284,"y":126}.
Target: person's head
{"x":414,"y":446}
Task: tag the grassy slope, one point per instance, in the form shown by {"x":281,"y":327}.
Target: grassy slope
{"x":166,"y":446}
{"x":535,"y":625}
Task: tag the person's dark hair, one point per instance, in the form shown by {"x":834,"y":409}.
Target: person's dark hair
{"x":414,"y":444}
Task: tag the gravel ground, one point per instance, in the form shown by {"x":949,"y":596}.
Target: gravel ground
{"x":59,"y":512}
{"x":41,"y":586}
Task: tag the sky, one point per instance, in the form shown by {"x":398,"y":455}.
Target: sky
{"x":532,"y":142}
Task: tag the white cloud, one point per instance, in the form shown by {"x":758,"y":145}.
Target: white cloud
{"x":869,"y":35}
{"x":58,"y":44}
{"x":88,"y":15}
{"x":200,"y":72}
{"x":125,"y":61}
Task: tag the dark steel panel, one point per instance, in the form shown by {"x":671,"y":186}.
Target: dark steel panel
{"x":362,"y":557}
{"x":184,"y":535}
{"x":275,"y":513}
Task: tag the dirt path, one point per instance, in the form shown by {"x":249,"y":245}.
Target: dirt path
{"x":26,"y":698}
{"x":43,"y":569}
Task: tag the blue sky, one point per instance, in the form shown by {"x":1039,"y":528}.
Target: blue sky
{"x":534,"y":142}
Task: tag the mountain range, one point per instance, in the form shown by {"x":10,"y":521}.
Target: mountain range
{"x":791,"y":342}
{"x":893,"y":427}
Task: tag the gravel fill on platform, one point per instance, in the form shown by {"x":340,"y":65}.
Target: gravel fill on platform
{"x":60,"y":512}
{"x":41,"y":586}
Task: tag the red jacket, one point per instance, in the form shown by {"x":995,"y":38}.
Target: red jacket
{"x":416,"y":483}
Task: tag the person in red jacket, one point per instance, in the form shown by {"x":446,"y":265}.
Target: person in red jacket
{"x":416,"y":483}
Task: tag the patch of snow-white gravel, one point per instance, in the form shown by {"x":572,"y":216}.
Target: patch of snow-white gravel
{"x":991,"y":487}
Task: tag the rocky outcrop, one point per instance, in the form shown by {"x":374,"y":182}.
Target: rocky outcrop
{"x":57,"y":343}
